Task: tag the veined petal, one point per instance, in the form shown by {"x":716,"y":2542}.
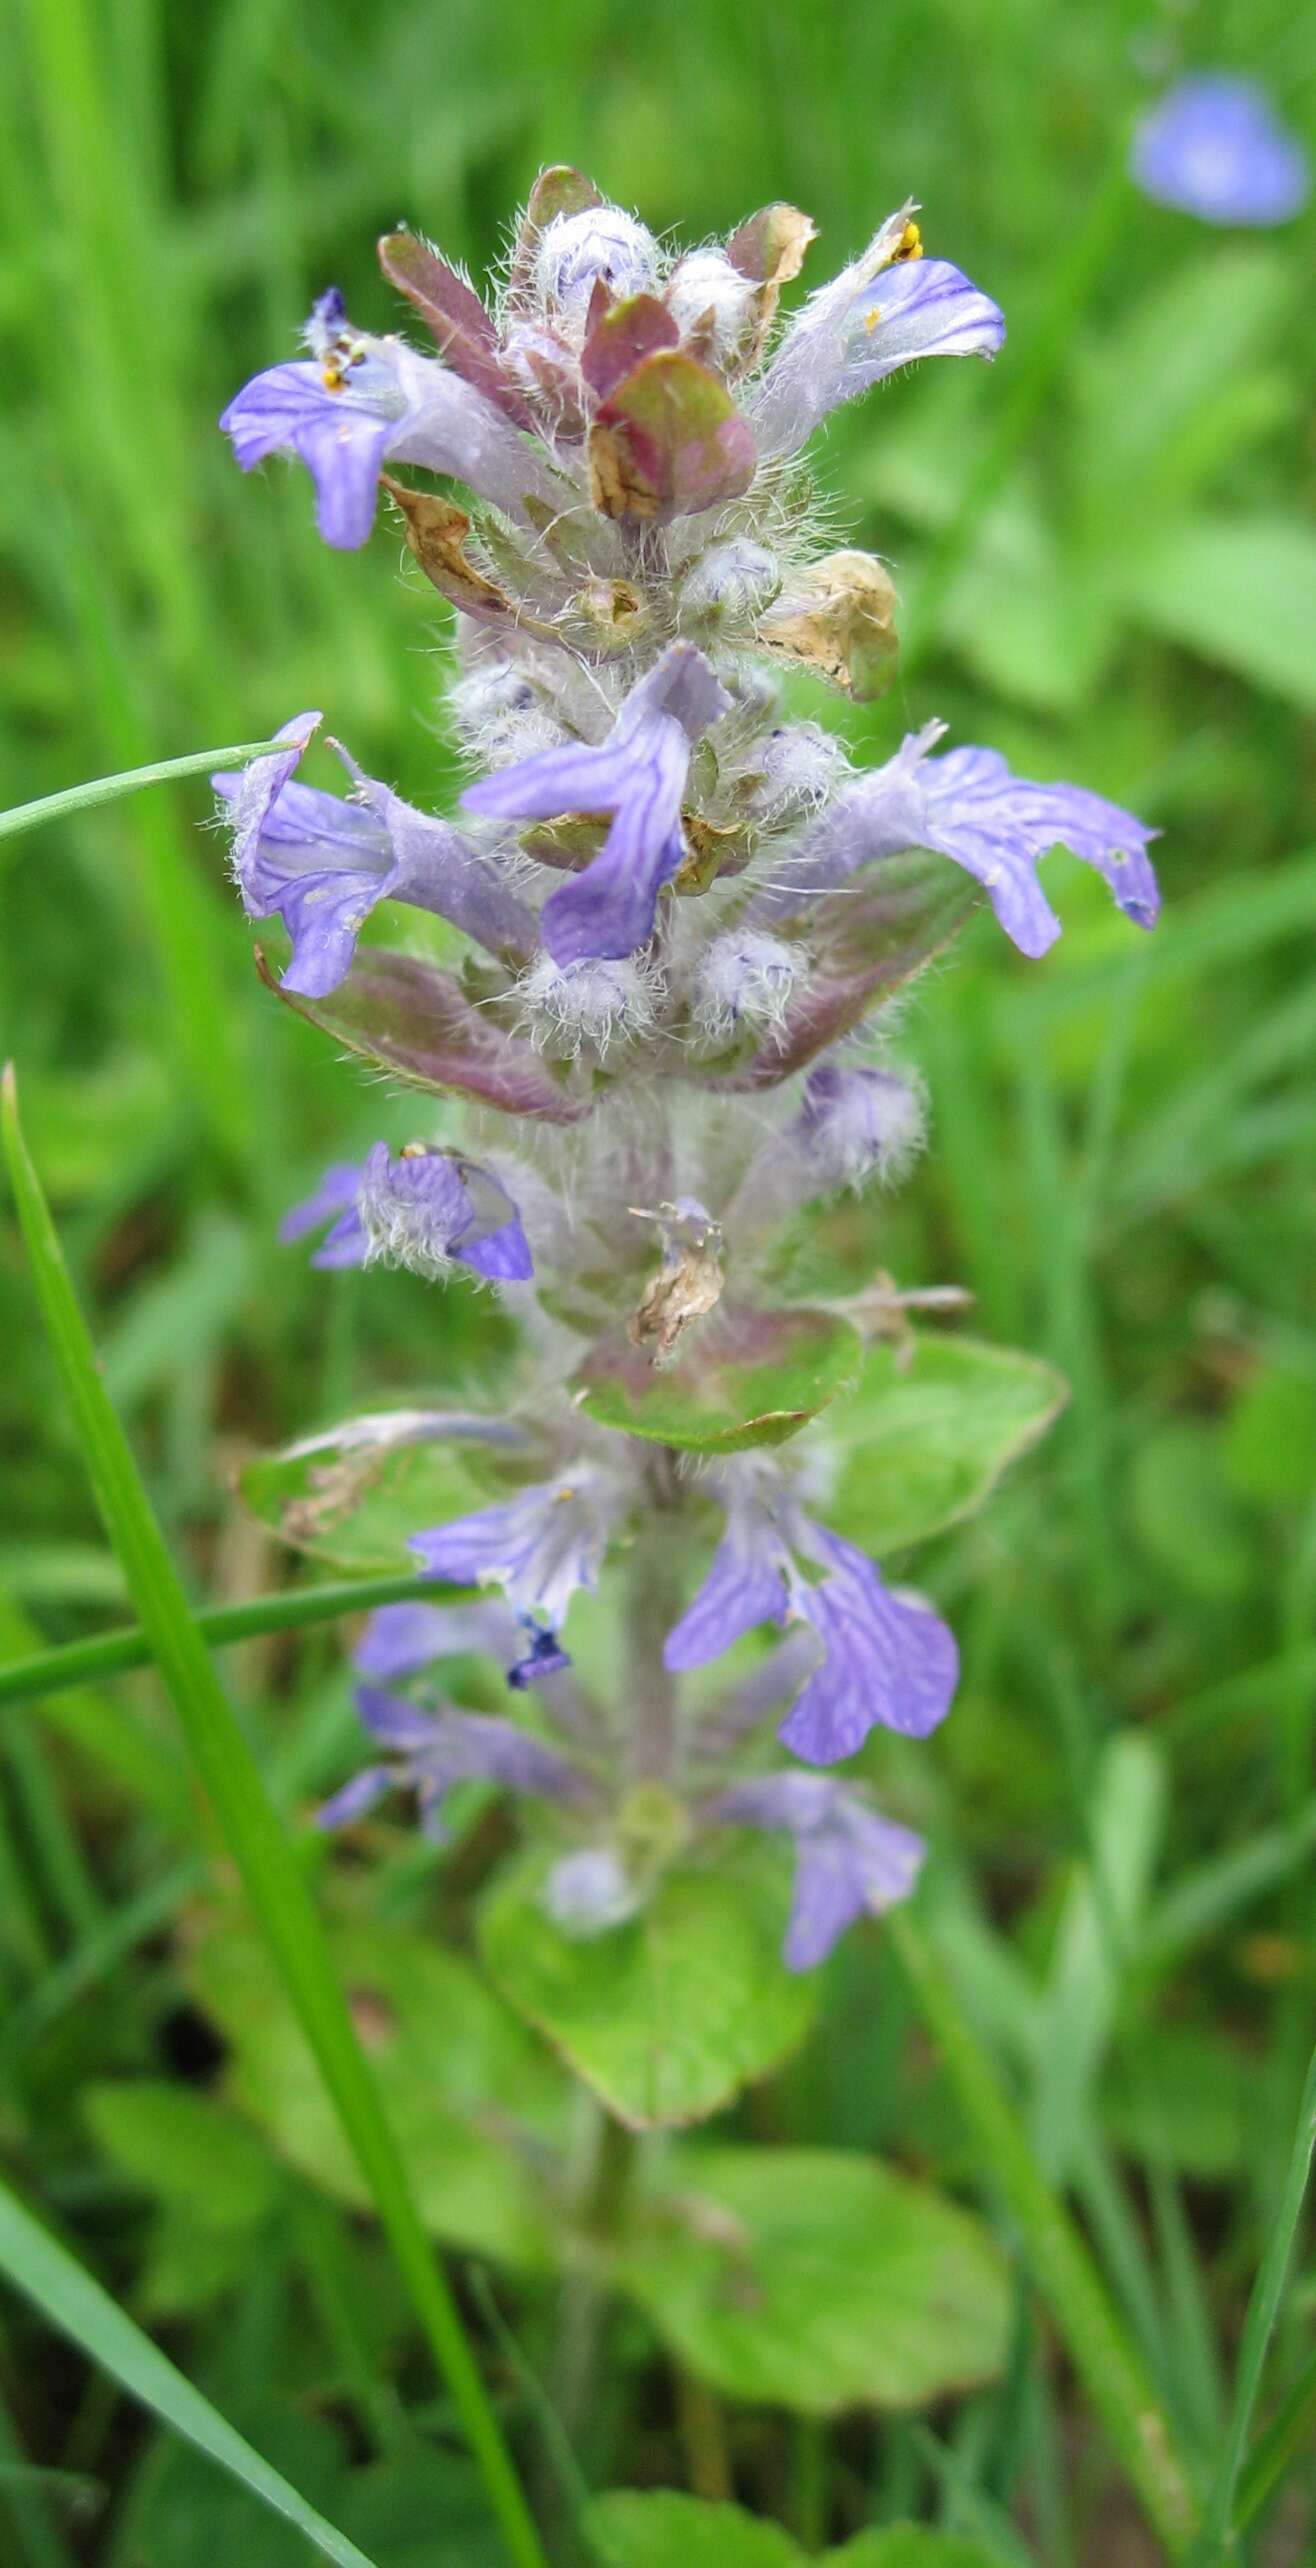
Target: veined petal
{"x":922,"y":308}
{"x":638,"y":774}
{"x":969,"y":807}
{"x":889,"y":307}
{"x":849,"y":1860}
{"x":322,"y":864}
{"x":538,"y":1547}
{"x":342,"y":436}
{"x":885,"y":1660}
{"x":744,"y":1588}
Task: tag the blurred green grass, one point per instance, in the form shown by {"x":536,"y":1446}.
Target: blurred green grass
{"x":1124,"y":1137}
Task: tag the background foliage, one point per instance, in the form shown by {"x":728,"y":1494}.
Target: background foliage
{"x":1108,"y":573}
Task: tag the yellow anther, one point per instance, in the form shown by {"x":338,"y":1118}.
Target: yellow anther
{"x":910,"y":243}
{"x":332,"y":376}
{"x":872,"y":316}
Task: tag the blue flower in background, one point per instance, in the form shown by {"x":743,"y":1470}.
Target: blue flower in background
{"x":1214,"y":147}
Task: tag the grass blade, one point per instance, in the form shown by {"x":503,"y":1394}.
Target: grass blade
{"x":1258,"y":2326}
{"x":1106,"y":2362}
{"x":76,"y":2304}
{"x":269,"y":1869}
{"x":102,"y":789}
{"x":291,"y":1609}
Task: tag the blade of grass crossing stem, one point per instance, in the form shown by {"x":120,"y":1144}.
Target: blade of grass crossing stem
{"x":1102,"y":2355}
{"x":290,"y":1610}
{"x":1288,"y":2435}
{"x":1217,"y":2539}
{"x":269,"y":1869}
{"x":75,"y":2303}
{"x":103,"y":789}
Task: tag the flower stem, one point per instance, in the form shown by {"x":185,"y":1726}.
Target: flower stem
{"x":1106,"y":2362}
{"x":654,"y":1604}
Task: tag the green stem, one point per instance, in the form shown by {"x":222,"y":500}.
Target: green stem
{"x":1062,"y":2269}
{"x":290,"y":1610}
{"x":102,"y":789}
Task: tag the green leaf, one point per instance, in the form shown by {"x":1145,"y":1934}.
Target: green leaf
{"x":756,"y":1382}
{"x":913,"y":2545}
{"x":414,"y":1022}
{"x":1186,"y":1515}
{"x":916,"y":2545}
{"x":181,"y":2148}
{"x":1240,"y":591}
{"x":1270,"y":1437}
{"x":892,"y":922}
{"x":668,"y":440}
{"x":269,"y":1870}
{"x":654,"y":2529}
{"x":817,"y":2279}
{"x":924,"y":1442}
{"x":657,"y":2527}
{"x":75,"y":2304}
{"x":670,"y":2014}
{"x":473,"y":2101}
{"x":353,"y":1495}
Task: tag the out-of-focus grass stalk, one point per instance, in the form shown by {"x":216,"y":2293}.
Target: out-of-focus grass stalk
{"x":264,"y":1858}
{"x":290,"y":1610}
{"x":1111,"y":2371}
{"x":1219,"y":2527}
{"x":76,"y":2304}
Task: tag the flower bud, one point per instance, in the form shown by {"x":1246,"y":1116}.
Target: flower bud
{"x":706,"y":287}
{"x":498,"y":715}
{"x":857,"y":1124}
{"x":585,"y":1007}
{"x":744,"y":979}
{"x":578,"y":251}
{"x":731,"y":583}
{"x":801,"y":766}
{"x":588,"y":1892}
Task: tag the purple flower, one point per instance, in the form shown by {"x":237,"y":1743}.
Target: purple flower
{"x":401,"y":1639}
{"x":885,"y":1658}
{"x":1214,"y":147}
{"x":334,"y":1201}
{"x":891,"y":306}
{"x":969,"y":806}
{"x":638,"y":774}
{"x":322,"y":865}
{"x":600,"y":245}
{"x":849,"y":1860}
{"x":434,"y":1753}
{"x":539,"y":1547}
{"x":359,"y":402}
{"x":420,"y":1210}
{"x":855,"y":1123}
